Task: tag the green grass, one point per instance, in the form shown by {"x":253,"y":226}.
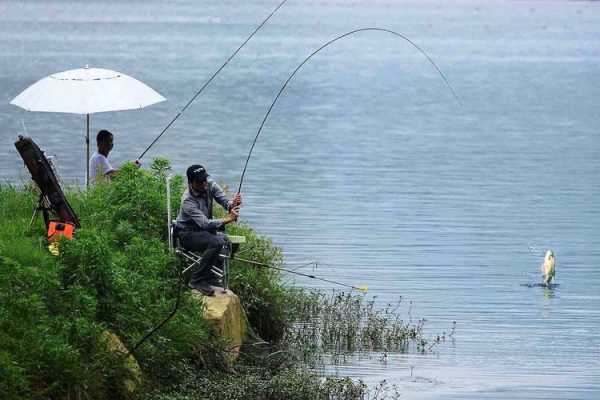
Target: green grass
{"x":332,"y":328}
{"x":117,"y":275}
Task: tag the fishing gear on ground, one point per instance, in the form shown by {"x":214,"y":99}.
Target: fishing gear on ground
{"x":51,"y":201}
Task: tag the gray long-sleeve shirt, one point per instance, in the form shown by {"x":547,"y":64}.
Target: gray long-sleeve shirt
{"x":195,"y":212}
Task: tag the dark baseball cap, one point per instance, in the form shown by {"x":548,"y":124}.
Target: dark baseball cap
{"x":196,"y":172}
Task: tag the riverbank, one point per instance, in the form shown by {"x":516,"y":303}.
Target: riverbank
{"x":118,"y":276}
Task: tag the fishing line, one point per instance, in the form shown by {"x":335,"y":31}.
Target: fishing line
{"x":534,"y":250}
{"x":363,"y":289}
{"x":210,"y":80}
{"x":24,"y":128}
{"x":318,"y":50}
{"x":312,"y":264}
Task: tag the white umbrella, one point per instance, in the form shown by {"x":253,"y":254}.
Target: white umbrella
{"x":87,"y":91}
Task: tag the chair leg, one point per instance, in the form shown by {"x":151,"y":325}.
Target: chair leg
{"x":192,"y":260}
{"x":226,"y":255}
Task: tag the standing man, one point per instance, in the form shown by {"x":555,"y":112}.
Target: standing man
{"x":100,"y":168}
{"x":198,"y":231}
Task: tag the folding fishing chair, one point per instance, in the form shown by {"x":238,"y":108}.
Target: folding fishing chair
{"x":192,"y":259}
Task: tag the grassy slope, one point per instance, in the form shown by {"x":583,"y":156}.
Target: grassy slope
{"x":117,"y":275}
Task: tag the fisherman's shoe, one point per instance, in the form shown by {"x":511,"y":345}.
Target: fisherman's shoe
{"x":203,"y":287}
{"x":217,"y":284}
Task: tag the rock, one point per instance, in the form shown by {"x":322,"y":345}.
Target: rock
{"x":134,"y":377}
{"x":225,"y":311}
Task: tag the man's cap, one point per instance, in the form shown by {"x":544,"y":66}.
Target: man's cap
{"x":196,"y":172}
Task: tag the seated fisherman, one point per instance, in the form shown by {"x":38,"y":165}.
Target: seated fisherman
{"x":100,"y":168}
{"x":198,"y":231}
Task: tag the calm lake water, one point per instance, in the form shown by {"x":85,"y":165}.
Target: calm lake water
{"x":367,"y":164}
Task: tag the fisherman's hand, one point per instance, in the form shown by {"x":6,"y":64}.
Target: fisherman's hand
{"x":137,"y":163}
{"x":237,"y":200}
{"x":234,"y":213}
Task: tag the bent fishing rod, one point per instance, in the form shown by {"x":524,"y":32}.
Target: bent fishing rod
{"x":211,"y":79}
{"x":315,"y":52}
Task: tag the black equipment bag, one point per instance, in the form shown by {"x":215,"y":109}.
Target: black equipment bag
{"x":43,"y":175}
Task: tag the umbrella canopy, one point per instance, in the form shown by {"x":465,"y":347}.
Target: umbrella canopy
{"x":87,"y":91}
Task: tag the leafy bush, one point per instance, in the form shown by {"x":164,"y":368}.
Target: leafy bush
{"x":260,"y":289}
{"x":118,"y":276}
{"x":289,"y":384}
{"x":49,"y":339}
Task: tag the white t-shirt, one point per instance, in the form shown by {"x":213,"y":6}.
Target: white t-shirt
{"x":99,"y":167}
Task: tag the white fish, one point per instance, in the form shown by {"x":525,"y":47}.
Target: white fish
{"x":548,"y":267}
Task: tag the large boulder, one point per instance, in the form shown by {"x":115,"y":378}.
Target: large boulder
{"x":225,"y":311}
{"x":134,"y":377}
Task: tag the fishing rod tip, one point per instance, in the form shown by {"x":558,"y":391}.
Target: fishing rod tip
{"x":363,"y":289}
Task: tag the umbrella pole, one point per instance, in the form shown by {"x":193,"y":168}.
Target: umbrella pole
{"x":87,"y":142}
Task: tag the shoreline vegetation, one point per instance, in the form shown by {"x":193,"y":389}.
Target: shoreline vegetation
{"x":117,"y":278}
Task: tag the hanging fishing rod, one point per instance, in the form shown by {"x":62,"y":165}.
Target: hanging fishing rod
{"x":363,"y":289}
{"x":210,"y":80}
{"x":315,"y":52}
